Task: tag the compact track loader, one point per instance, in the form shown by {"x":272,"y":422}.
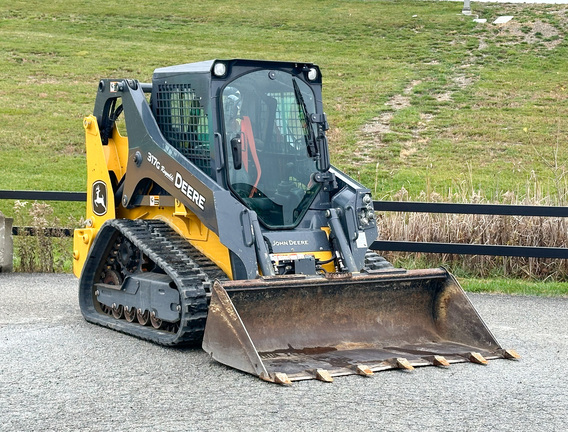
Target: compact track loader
{"x":218,"y":219}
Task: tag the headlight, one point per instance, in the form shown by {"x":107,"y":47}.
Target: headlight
{"x":220,"y":69}
{"x":312,"y":74}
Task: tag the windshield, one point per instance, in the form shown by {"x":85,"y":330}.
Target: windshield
{"x":269,"y":167}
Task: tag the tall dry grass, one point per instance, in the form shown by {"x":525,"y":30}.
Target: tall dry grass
{"x":484,"y":230}
{"x":37,"y":252}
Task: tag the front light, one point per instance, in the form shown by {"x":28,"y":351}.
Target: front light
{"x":220,"y":69}
{"x":312,"y":74}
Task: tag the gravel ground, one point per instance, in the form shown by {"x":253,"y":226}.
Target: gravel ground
{"x":57,"y":372}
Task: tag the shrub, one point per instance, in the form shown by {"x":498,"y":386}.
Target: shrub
{"x":34,"y":249}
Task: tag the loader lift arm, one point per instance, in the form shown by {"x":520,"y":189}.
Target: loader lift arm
{"x":152,"y":156}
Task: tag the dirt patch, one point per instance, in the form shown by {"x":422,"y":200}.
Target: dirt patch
{"x":378,"y":125}
{"x":411,"y":86}
{"x":463,"y":81}
{"x":42,"y":80}
{"x":334,"y":134}
{"x":374,"y":131}
{"x":532,"y":33}
{"x":547,"y":30}
{"x":372,"y":138}
{"x":398,"y":102}
{"x":407,"y":150}
{"x":401,"y":101}
{"x":361,"y":154}
{"x":444,"y":97}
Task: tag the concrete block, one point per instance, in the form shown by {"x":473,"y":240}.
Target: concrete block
{"x":6,"y":244}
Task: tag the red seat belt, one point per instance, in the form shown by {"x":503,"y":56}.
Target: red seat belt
{"x":248,"y":141}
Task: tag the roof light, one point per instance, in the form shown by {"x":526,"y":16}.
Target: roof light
{"x":312,"y":74}
{"x":220,"y":69}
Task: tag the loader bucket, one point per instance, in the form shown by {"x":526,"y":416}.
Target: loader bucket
{"x":293,"y":328}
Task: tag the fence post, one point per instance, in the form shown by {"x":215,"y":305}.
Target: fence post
{"x":6,"y":244}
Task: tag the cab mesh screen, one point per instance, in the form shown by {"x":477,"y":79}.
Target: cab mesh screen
{"x":184,"y":122}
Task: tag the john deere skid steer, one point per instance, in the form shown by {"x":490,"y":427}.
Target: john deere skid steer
{"x":218,"y":219}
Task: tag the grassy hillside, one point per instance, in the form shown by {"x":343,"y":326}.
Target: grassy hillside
{"x":418,"y":95}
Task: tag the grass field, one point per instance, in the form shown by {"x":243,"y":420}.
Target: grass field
{"x":514,"y":286}
{"x":418,"y":96}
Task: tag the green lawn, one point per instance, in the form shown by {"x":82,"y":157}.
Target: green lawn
{"x":417,"y":94}
{"x":515,"y":286}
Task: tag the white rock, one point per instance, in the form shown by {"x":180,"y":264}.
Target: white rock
{"x":503,"y":19}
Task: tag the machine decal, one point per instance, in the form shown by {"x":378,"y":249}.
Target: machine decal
{"x":178,"y":181}
{"x":362,"y":240}
{"x":290,"y":243}
{"x":156,"y":163}
{"x":189,"y":191}
{"x":115,"y":86}
{"x":99,"y":198}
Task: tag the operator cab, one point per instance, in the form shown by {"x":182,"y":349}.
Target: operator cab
{"x":273,"y":154}
{"x":267,"y":139}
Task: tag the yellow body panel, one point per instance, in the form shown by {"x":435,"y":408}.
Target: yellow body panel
{"x":188,"y":226}
{"x":113,"y":157}
{"x":116,"y":154}
{"x":97,"y":172}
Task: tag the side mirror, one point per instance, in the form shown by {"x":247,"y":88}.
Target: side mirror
{"x":236,"y":150}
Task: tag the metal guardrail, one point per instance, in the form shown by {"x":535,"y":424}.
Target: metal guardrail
{"x":47,"y":232}
{"x":382,"y":245}
{"x":470,"y":249}
{"x":480,"y":209}
{"x":43,"y":195}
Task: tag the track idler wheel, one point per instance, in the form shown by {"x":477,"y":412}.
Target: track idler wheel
{"x":143,"y":317}
{"x":117,"y":311}
{"x":155,"y":321}
{"x":129,"y":314}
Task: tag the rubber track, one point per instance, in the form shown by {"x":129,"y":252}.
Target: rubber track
{"x":373,"y":261}
{"x":192,"y":272}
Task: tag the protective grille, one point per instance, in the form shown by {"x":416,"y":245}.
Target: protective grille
{"x":289,"y":120}
{"x":184,"y":122}
{"x":286,"y":121}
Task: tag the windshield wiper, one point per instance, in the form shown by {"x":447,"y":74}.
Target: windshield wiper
{"x":316,"y":146}
{"x":306,"y":120}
